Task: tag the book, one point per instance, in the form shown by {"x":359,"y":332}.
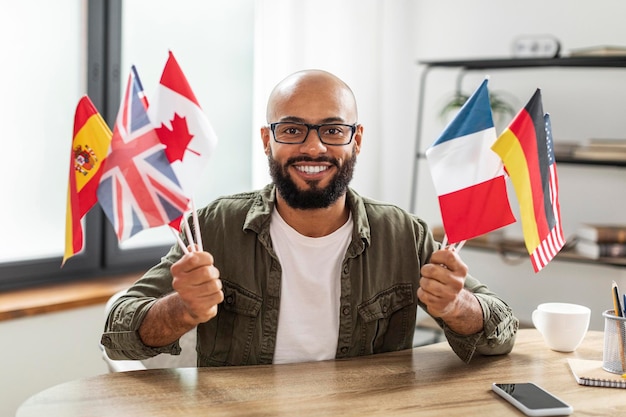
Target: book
{"x":602,"y":50}
{"x":582,"y":152}
{"x":601,"y":149}
{"x":602,"y":233}
{"x":605,"y":143}
{"x":590,"y":373}
{"x":595,"y":250}
{"x":564,"y":149}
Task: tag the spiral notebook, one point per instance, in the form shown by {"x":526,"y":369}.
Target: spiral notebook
{"x":590,"y":373}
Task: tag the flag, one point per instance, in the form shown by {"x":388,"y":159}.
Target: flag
{"x":468,"y":176}
{"x":90,"y":144}
{"x":138,"y":188}
{"x":182,"y":126}
{"x":527,"y":152}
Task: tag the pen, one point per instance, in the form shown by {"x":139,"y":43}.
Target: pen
{"x":624,"y":305}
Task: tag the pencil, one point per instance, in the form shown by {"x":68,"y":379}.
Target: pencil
{"x":620,"y":328}
{"x":617,"y":308}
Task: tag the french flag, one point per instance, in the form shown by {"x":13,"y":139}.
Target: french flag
{"x":468,"y":176}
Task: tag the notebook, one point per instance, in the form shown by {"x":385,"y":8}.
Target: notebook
{"x":590,"y":373}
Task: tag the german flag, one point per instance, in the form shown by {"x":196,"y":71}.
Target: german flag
{"x":90,"y":146}
{"x":526,"y":150}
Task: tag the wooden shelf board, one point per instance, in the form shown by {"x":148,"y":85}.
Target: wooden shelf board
{"x":59,"y":297}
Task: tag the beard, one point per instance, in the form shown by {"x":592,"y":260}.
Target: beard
{"x":315,"y":197}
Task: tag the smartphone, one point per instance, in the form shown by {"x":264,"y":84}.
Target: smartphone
{"x":532,"y":400}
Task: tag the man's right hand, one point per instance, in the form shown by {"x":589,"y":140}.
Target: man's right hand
{"x":197,"y":293}
{"x":196,"y":280}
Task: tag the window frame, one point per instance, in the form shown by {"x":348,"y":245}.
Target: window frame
{"x":101,"y":254}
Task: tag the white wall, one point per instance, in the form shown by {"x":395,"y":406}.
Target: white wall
{"x":41,"y":351}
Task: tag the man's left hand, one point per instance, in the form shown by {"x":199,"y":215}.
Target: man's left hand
{"x":442,"y":290}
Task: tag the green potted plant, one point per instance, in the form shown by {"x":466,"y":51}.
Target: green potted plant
{"x":501,"y":108}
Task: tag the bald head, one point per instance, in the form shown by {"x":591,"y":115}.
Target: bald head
{"x":313,"y":96}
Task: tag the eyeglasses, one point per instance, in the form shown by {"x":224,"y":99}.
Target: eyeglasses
{"x":332,"y":134}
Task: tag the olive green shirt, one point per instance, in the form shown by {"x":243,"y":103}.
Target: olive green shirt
{"x":379,"y":281}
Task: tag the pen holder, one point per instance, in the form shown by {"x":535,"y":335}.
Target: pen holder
{"x":613,"y":354}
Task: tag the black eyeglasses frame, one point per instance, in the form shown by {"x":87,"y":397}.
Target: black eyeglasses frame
{"x":310,"y":126}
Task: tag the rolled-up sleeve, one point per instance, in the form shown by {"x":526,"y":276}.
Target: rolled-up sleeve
{"x":121,"y":331}
{"x":499,"y":327}
{"x":121,"y":334}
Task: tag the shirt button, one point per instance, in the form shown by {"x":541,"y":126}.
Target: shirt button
{"x":230,"y":299}
{"x":385,"y":308}
{"x":346,"y":310}
{"x":344,"y":349}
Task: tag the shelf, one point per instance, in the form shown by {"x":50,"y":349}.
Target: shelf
{"x":515,"y":248}
{"x":596,"y":162}
{"x":591,"y":154}
{"x":511,"y":249}
{"x":571,"y":160}
{"x":508,"y":63}
{"x":503,"y":63}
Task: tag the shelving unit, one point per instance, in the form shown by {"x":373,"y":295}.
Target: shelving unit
{"x":513,"y":250}
{"x":515,"y":247}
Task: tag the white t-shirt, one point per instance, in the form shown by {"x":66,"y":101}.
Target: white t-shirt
{"x":308,"y":321}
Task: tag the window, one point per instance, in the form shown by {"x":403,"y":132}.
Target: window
{"x":72,"y":47}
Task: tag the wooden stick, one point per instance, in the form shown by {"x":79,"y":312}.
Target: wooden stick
{"x":179,"y":240}
{"x":196,"y":226}
{"x":189,"y":236}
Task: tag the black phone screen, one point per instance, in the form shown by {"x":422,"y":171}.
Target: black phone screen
{"x":531,"y":396}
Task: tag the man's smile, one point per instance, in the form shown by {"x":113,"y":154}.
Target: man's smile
{"x":311,"y":169}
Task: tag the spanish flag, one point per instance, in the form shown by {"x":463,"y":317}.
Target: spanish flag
{"x":526,"y":149}
{"x":90,"y":146}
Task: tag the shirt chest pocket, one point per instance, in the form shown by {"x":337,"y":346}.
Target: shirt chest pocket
{"x":388,"y":320}
{"x":229,"y":335}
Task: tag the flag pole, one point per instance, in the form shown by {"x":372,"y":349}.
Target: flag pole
{"x":179,"y":240}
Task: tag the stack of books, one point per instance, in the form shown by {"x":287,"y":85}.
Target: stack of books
{"x":601,"y":50}
{"x":601,"y":241}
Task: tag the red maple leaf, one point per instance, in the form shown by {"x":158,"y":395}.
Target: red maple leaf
{"x":176,"y":140}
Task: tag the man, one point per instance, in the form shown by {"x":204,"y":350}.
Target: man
{"x":306,"y":269}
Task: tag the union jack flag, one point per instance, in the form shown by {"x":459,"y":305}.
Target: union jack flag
{"x":138,"y":188}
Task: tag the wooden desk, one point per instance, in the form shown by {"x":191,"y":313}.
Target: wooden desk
{"x":425,"y":381}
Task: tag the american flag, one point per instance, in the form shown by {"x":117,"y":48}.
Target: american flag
{"x":555,"y":240}
{"x":138,"y":188}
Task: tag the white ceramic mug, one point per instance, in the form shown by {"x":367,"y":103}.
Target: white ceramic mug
{"x":562,"y":325}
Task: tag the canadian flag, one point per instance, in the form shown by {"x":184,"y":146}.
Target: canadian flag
{"x":182,"y":126}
